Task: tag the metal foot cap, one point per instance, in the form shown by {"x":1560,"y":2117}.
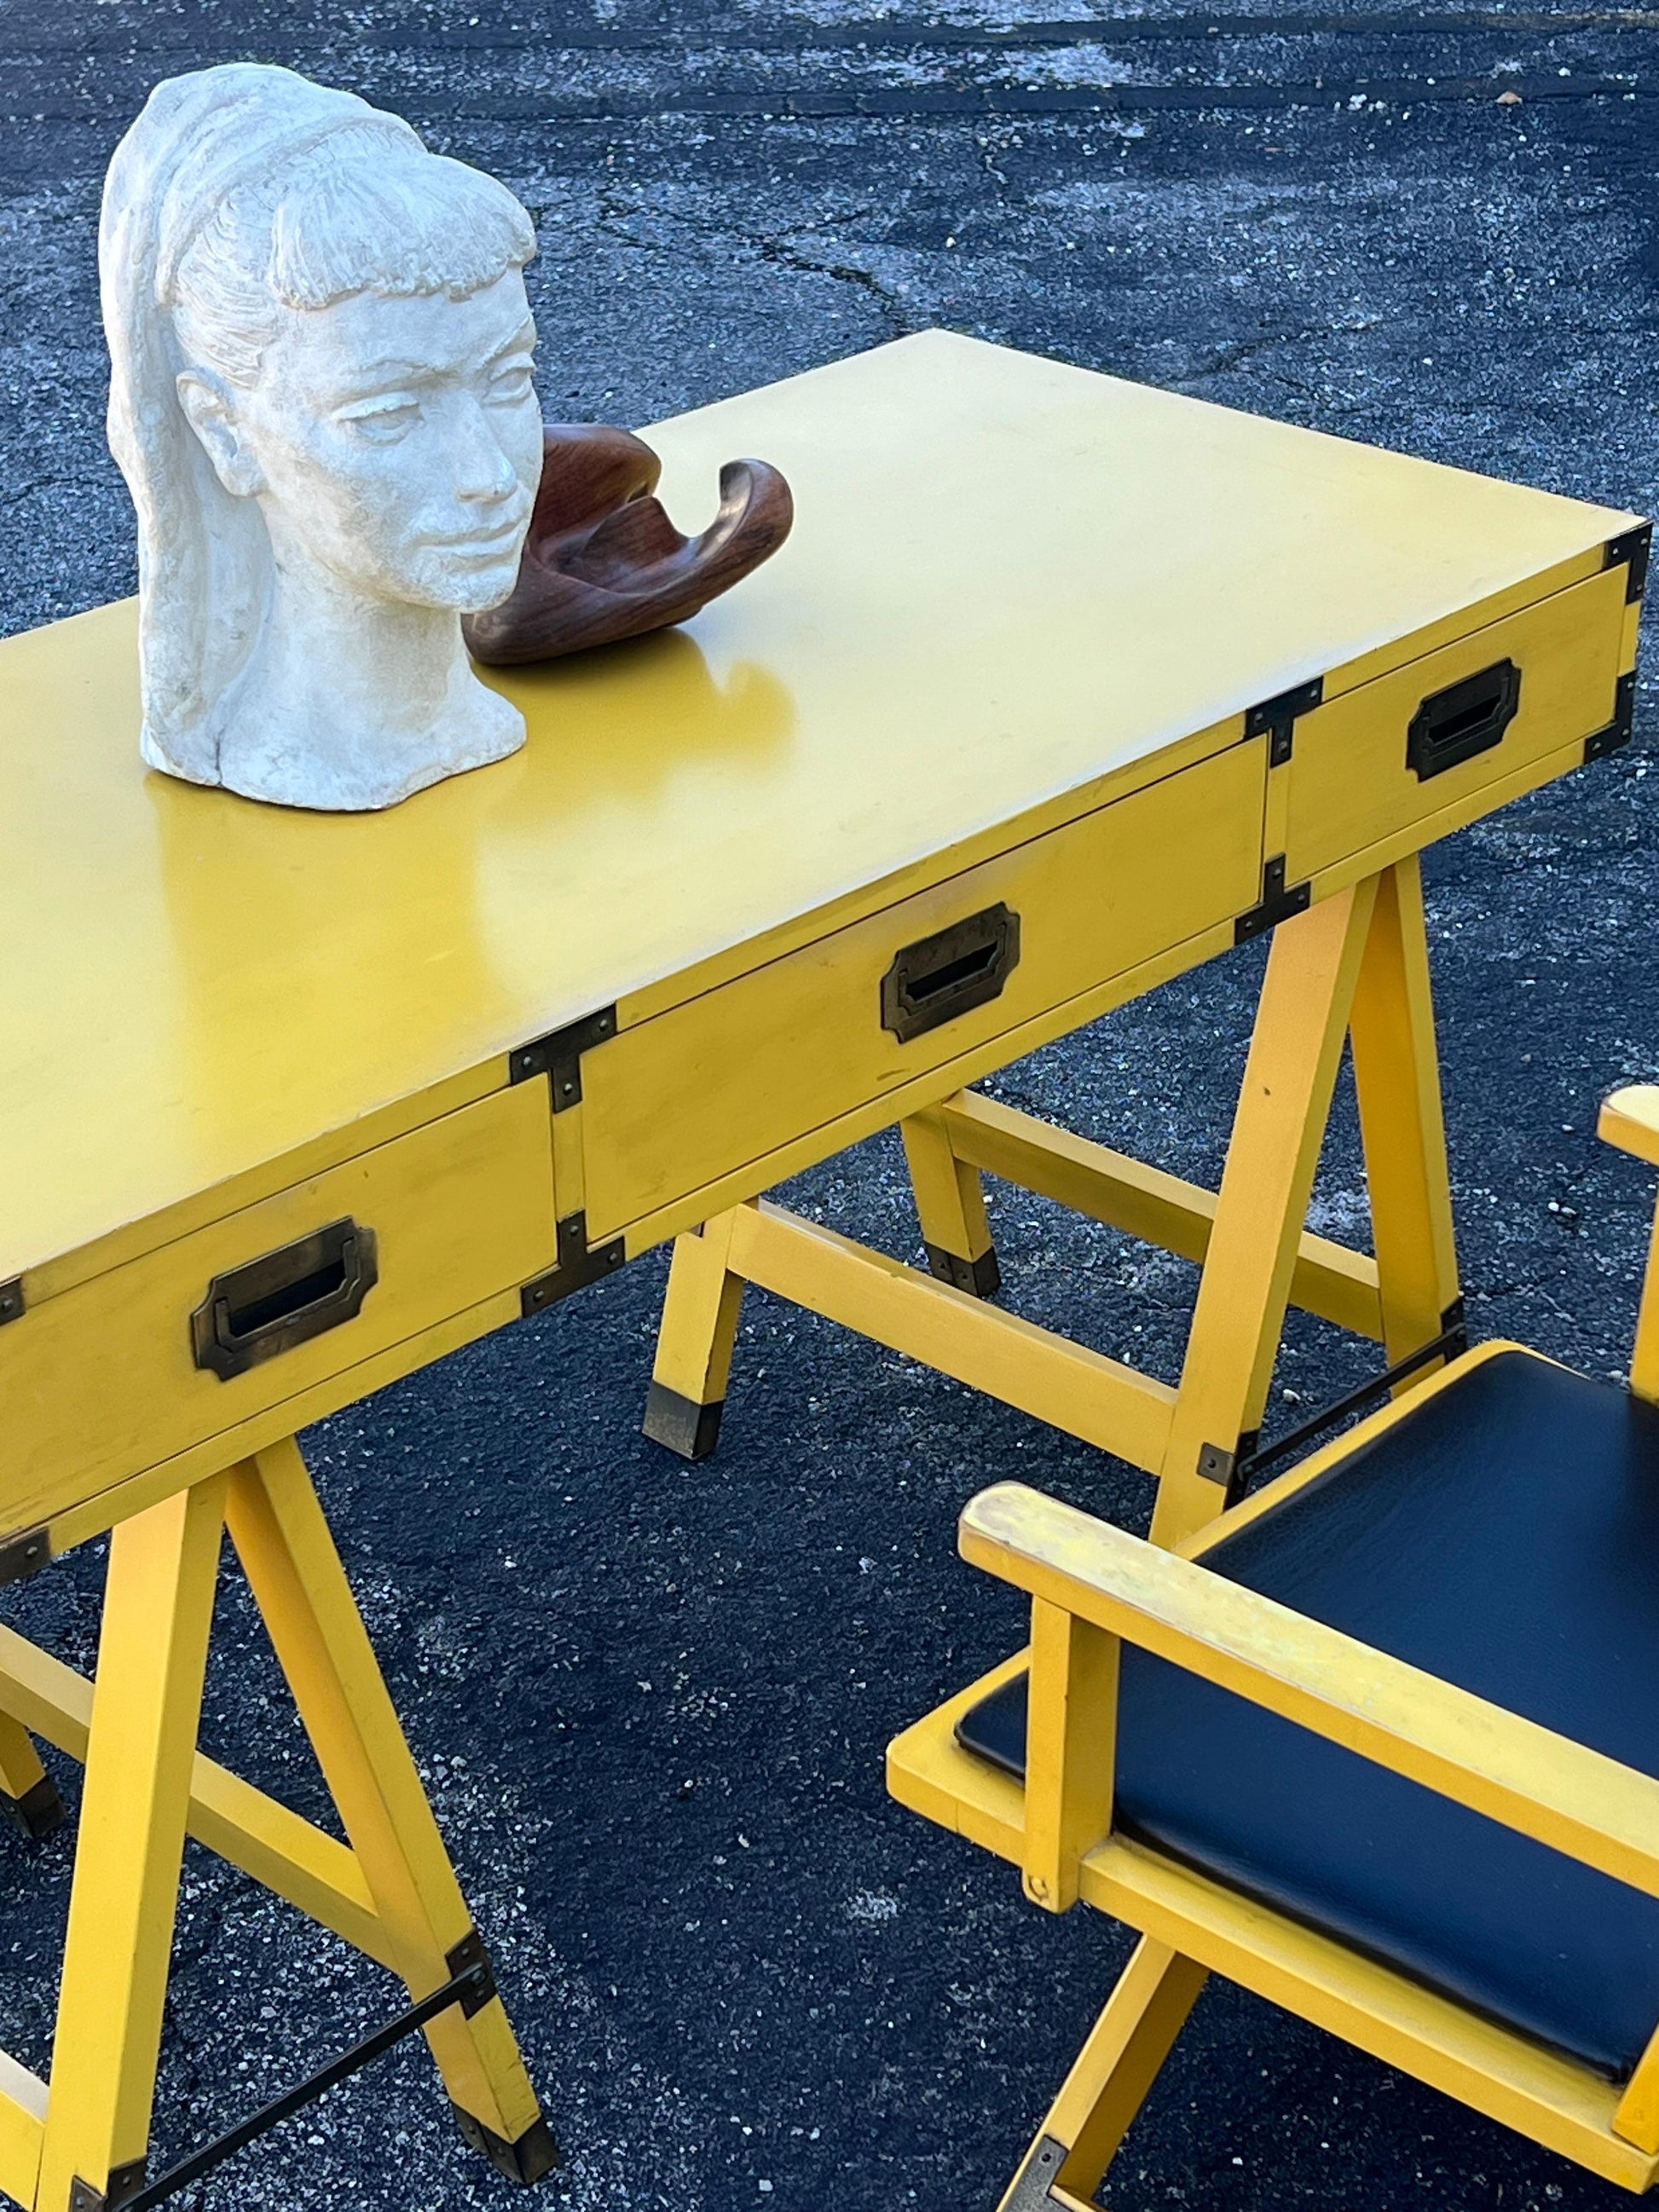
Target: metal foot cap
{"x":682,"y":1424}
{"x":38,"y":1811}
{"x":534,"y":2153}
{"x":979,"y":1278}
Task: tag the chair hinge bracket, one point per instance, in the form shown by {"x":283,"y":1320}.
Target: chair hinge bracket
{"x":1034,"y":2183}
{"x":559,"y":1055}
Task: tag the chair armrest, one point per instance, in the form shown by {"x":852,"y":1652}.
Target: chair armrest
{"x":1524,"y":1776}
{"x":1630,"y":1119}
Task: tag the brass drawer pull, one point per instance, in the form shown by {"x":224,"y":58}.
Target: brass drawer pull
{"x":1467,"y":718}
{"x":284,"y":1298}
{"x":957,"y":969}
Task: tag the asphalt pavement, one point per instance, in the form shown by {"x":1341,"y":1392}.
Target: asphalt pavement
{"x":651,"y":1699}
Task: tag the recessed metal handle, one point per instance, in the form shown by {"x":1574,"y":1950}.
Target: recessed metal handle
{"x":1467,"y":718}
{"x":284,"y":1298}
{"x":957,"y":969}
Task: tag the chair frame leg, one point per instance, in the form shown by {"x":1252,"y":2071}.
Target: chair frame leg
{"x":1108,"y":2083}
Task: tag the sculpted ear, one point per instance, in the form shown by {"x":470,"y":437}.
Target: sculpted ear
{"x":210,"y":409}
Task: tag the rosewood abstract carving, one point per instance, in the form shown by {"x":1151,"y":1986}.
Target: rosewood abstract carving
{"x":604,"y":562}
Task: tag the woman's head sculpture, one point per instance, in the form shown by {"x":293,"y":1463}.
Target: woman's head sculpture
{"x":321,"y":400}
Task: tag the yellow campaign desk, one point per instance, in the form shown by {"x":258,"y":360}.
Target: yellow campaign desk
{"x":1061,"y":686}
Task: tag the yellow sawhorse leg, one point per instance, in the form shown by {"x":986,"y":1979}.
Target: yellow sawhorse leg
{"x":28,"y":1795}
{"x":1355,"y":964}
{"x":294,"y":1570}
{"x":1397,"y":1079}
{"x":695,"y":1342}
{"x":80,"y":2145}
{"x":152,"y":1655}
{"x":950,"y":1206}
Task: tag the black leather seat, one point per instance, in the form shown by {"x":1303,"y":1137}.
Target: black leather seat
{"x":1503,"y":1534}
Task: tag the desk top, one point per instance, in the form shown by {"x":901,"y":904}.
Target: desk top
{"x":1008,"y":579}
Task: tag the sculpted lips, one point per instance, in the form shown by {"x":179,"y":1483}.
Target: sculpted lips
{"x":483,"y":545}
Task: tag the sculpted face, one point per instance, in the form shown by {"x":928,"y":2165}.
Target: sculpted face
{"x":396,"y":443}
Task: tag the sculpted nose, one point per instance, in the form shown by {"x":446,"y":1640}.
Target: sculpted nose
{"x":482,"y":471}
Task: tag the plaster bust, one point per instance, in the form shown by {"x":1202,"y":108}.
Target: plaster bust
{"x":321,"y":400}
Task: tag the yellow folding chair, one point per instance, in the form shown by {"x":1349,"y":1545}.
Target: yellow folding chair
{"x":1382,"y":1744}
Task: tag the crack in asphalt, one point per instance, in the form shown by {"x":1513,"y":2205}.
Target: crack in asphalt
{"x":898,"y":34}
{"x":911,"y":103}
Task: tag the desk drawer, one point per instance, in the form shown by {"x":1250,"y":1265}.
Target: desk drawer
{"x":123,"y":1372}
{"x":1424,"y":745}
{"x":724,"y":1080}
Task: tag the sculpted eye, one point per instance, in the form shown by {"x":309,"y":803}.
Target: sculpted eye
{"x":382,"y":422}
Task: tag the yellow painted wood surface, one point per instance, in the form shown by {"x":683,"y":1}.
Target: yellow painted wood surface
{"x":949,"y":1195}
{"x":1278,"y":1130}
{"x":1118,"y":2062}
{"x":1630,"y":1119}
{"x":1557,"y":2103}
{"x":675,"y":1102}
{"x":1349,"y":786}
{"x":1068,"y":1385}
{"x":130,"y":1840}
{"x":1070,"y":1739}
{"x":1009,"y":580}
{"x":294,"y":1569}
{"x":22,"y":2129}
{"x":1572,"y":1798}
{"x":1162,"y":1209}
{"x":462,"y":1208}
{"x":928,"y":1771}
{"x":1401,"y":1120}
{"x":1506,"y":2075}
{"x":311,"y":1871}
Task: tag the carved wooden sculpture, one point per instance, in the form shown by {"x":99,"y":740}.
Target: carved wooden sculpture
{"x":604,"y":562}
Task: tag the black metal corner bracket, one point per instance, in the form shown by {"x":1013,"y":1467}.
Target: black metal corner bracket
{"x":11,"y":1300}
{"x":559,"y":1055}
{"x":578,"y":1266}
{"x":1278,"y":902}
{"x":1618,"y":730}
{"x":24,"y":1555}
{"x":1632,"y":546}
{"x":1275,"y":719}
{"x":471,"y":1985}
